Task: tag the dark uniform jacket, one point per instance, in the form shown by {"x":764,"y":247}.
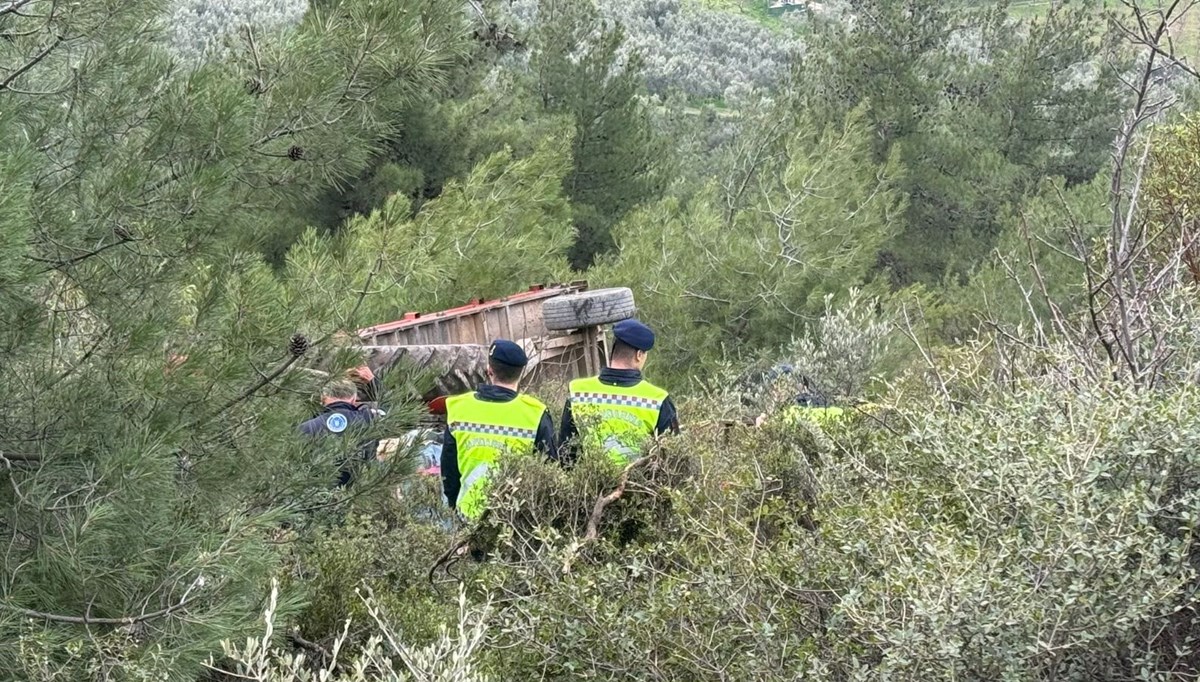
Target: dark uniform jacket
{"x":339,"y":418}
{"x":452,"y":478}
{"x":668,"y":418}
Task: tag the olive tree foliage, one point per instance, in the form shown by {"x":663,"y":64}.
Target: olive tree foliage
{"x":846,"y":349}
{"x":154,"y":456}
{"x":386,"y":656}
{"x":1041,"y":533}
{"x":702,"y":52}
{"x":1026,"y":534}
{"x":200,"y":28}
{"x":749,"y":265}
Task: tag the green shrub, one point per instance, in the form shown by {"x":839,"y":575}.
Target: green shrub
{"x":983,"y":527}
{"x":384,"y":551}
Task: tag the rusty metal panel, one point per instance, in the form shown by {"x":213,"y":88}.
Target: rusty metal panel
{"x":517,"y":317}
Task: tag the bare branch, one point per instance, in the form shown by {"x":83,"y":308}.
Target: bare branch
{"x":7,"y":458}
{"x":602,"y":503}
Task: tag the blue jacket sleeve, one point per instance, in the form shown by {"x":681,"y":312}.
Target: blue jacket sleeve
{"x":451,"y":478}
{"x":567,"y":436}
{"x":668,"y":418}
{"x":312,"y":427}
{"x":544,"y":441}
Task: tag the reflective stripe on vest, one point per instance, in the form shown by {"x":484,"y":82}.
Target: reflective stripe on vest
{"x":620,"y":419}
{"x":482,"y":430}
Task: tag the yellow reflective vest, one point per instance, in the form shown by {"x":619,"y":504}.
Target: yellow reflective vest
{"x":620,"y":419}
{"x":819,"y":415}
{"x":482,"y":430}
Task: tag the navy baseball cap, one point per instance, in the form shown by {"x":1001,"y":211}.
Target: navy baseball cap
{"x":635,"y":334}
{"x":508,"y":353}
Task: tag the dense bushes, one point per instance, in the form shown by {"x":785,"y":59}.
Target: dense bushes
{"x":1006,"y":532}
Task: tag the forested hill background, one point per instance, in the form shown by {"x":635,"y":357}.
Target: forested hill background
{"x":973,"y":224}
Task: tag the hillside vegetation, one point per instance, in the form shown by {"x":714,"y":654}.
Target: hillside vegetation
{"x":972,"y":227}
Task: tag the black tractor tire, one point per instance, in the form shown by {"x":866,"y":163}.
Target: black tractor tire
{"x":588,"y":308}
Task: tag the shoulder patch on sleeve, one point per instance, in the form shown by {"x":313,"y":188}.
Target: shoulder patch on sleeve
{"x":336,"y":422}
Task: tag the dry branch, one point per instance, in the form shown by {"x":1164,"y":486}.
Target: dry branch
{"x":451,"y":554}
{"x":602,"y":503}
{"x":13,"y":6}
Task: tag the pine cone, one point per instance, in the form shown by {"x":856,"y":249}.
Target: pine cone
{"x":296,"y":153}
{"x":298,"y":345}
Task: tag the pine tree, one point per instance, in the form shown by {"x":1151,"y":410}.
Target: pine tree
{"x":981,"y":106}
{"x":149,"y":453}
{"x":580,"y":70}
{"x":811,"y":226}
{"x":498,"y":230}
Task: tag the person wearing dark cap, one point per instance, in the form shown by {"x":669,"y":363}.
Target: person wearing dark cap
{"x":618,"y":410}
{"x":480,"y":426}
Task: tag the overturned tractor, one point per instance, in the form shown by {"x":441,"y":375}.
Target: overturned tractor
{"x":559,"y":326}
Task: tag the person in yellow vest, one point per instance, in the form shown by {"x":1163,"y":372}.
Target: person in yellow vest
{"x":808,"y":404}
{"x":483,"y":425}
{"x":817,"y":410}
{"x":618,"y":410}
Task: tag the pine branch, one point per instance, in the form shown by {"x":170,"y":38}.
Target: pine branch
{"x":31,"y":63}
{"x":56,"y":263}
{"x":267,"y":379}
{"x":362,"y":296}
{"x":88,"y":620}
